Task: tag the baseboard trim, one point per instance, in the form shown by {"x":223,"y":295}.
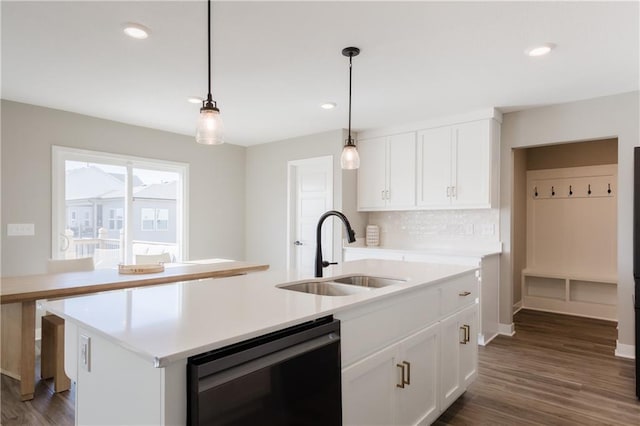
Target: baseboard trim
{"x":516,"y":307}
{"x":484,"y":342}
{"x":10,"y":374}
{"x":506,"y":329}
{"x":625,"y":351}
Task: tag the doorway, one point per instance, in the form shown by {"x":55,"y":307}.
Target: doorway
{"x":565,"y":228}
{"x":310,"y":194}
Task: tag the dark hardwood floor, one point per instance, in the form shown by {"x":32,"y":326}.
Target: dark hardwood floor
{"x":556,"y":370}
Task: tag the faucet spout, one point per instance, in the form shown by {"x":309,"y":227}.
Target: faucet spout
{"x":351,"y":236}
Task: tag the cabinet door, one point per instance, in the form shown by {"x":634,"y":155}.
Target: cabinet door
{"x":469,"y":352}
{"x":372,"y":174}
{"x":418,"y":400}
{"x":401,"y":171}
{"x":458,"y":354}
{"x":451,"y":338}
{"x":434,"y":167}
{"x":472,"y":172}
{"x":368,"y":389}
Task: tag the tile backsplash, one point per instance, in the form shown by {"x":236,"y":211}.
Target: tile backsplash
{"x":424,"y":228}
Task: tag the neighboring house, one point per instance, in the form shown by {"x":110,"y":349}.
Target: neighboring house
{"x":95,"y":199}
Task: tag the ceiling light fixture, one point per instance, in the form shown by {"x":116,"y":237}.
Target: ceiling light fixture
{"x":137,"y":31}
{"x":328,"y":105}
{"x":540,"y":50}
{"x":209,"y":130}
{"x":350,"y":159}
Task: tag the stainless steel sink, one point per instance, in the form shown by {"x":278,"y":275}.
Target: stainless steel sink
{"x":367,"y":281}
{"x":325,"y":288}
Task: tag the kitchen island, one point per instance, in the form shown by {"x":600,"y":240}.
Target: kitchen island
{"x":133,"y":368}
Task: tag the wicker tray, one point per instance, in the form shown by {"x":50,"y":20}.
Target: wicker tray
{"x":141,"y":269}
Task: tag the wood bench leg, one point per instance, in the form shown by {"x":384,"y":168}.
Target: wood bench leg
{"x":52,"y":355}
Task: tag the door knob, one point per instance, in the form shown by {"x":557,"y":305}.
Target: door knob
{"x":297,"y":243}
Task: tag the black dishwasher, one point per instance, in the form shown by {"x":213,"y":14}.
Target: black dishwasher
{"x":288,"y":377}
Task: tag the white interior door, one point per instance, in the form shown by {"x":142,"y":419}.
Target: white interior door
{"x":310,"y":195}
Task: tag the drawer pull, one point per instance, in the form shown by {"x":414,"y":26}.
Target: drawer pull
{"x":464,"y":293}
{"x":402,"y":382}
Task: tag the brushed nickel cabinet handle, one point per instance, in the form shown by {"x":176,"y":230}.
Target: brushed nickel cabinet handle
{"x":408,"y":382}
{"x":464,"y":293}
{"x":382,"y":194}
{"x":467,"y":333}
{"x":464,"y":338}
{"x":402,"y":382}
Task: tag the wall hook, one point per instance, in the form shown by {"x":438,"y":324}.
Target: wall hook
{"x":535,"y":193}
{"x":553,"y":191}
{"x":608,"y":188}
{"x":570,"y":190}
{"x":589,"y":191}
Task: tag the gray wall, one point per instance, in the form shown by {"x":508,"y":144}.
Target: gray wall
{"x":216,"y":176}
{"x":600,"y":118}
{"x":266,"y":196}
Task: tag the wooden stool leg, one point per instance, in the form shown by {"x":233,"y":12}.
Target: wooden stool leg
{"x":47,"y":352}
{"x":61,"y":382}
{"x":52,"y":355}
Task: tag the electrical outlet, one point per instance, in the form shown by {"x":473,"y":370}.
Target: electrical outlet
{"x":85,"y":352}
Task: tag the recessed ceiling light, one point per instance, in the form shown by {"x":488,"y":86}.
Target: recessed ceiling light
{"x":136,"y":31}
{"x":540,"y":50}
{"x":195,"y":100}
{"x":328,"y":105}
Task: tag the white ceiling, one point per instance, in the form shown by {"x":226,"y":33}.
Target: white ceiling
{"x":276,"y":62}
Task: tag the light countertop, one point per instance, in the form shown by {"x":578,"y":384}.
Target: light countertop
{"x":171,"y":322}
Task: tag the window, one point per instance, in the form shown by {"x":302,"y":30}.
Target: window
{"x":148,"y":219}
{"x":116,"y":219}
{"x":154,"y":219}
{"x":162,"y":219}
{"x":118,"y":200}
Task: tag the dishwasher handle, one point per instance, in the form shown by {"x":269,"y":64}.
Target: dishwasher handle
{"x":219,"y":378}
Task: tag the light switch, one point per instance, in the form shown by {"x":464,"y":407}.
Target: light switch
{"x":21,"y":229}
{"x":85,"y":352}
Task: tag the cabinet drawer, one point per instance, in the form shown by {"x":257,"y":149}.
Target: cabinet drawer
{"x":370,"y":328}
{"x":458,"y":293}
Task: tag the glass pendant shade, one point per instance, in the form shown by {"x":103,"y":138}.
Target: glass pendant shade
{"x":350,"y":159}
{"x":210,"y":129}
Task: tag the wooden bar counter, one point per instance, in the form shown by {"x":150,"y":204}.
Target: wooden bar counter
{"x":18,"y":297}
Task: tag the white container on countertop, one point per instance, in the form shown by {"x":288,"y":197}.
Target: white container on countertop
{"x":372,"y":237}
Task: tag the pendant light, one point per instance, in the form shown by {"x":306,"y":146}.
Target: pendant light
{"x":210,"y":129}
{"x":350,"y":159}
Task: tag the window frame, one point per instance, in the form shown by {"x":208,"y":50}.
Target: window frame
{"x":60,"y":154}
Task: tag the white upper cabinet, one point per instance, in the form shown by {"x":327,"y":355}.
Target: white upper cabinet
{"x":445,"y":164}
{"x":386,"y":177}
{"x":456,"y":166}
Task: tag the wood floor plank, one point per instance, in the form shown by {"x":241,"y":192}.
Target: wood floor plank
{"x":556,"y":370}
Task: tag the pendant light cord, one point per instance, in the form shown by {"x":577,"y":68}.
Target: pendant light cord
{"x":209,"y":97}
{"x":349,"y":140}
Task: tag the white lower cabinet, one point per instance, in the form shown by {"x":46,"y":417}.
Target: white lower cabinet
{"x":406,"y":360}
{"x":395,"y":386}
{"x":459,"y":354}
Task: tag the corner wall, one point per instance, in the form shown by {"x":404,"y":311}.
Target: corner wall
{"x":266,"y":196}
{"x":216,"y":176}
{"x":600,"y":118}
